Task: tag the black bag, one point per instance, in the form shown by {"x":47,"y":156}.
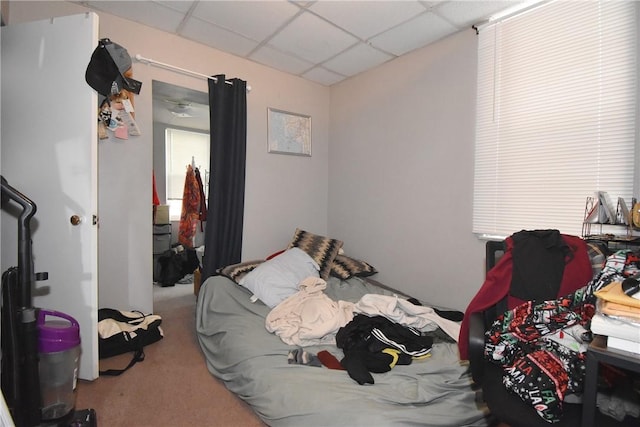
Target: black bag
{"x":174,"y":265}
{"x":125,"y":331}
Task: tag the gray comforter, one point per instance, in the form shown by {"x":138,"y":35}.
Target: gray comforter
{"x":253,"y":364}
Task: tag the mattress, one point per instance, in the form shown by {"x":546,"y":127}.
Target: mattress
{"x":253,"y":364}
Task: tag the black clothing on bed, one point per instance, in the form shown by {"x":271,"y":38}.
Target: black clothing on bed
{"x":365,"y":341}
{"x":359,"y":363}
{"x":454,"y":315}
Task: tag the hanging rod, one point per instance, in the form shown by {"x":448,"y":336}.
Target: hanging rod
{"x":141,"y":58}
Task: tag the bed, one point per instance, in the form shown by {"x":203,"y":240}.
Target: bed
{"x":253,"y":364}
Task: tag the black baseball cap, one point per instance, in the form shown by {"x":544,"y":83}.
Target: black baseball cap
{"x":105,"y":72}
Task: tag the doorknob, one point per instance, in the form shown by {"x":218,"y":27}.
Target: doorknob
{"x":75,"y":219}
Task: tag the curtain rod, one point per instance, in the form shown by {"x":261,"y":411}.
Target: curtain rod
{"x":509,"y":13}
{"x":141,"y":58}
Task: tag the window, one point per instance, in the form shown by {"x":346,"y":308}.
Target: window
{"x":183,"y":148}
{"x":556,"y":115}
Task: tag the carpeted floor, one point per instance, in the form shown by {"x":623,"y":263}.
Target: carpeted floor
{"x":172,"y":386}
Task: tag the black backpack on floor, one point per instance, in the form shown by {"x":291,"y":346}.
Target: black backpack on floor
{"x":174,"y":265}
{"x":124,"y":332}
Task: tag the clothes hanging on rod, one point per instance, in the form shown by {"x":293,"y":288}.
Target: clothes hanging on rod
{"x":202,"y":213}
{"x":156,"y":199}
{"x":194,"y":207}
{"x":190,"y":209}
{"x":150,"y":61}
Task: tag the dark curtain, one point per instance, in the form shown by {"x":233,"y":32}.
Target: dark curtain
{"x":228,"y":129}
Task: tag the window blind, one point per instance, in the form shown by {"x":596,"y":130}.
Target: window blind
{"x":181,"y":149}
{"x":556,"y":115}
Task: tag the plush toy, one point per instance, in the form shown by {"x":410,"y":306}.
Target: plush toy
{"x":104,"y":119}
{"x":122,"y":108}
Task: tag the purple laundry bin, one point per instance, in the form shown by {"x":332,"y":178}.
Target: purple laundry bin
{"x":59,"y":351}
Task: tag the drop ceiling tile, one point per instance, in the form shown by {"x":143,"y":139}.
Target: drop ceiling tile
{"x":281,"y":61}
{"x":323,"y":76}
{"x":367,"y":18}
{"x":356,"y":60}
{"x":147,"y":13}
{"x":252,"y":19}
{"x":312,"y":39}
{"x":293,"y":35}
{"x":178,"y":5}
{"x":217,"y":37}
{"x":414,"y":34}
{"x":466,"y":13}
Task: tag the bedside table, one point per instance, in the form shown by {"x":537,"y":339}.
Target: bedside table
{"x":596,"y":353}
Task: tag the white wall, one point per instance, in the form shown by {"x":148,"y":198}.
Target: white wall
{"x":282,"y":192}
{"x":401,"y":171}
{"x":395,"y":183}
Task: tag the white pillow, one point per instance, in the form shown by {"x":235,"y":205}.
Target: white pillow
{"x":278,"y":278}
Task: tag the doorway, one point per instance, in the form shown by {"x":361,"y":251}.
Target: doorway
{"x":177,"y":112}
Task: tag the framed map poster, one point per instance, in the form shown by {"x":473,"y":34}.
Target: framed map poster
{"x":288,"y":133}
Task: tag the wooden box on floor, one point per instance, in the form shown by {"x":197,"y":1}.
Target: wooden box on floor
{"x":196,"y":281}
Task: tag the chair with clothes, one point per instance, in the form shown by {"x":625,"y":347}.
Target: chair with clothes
{"x":538,"y":265}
